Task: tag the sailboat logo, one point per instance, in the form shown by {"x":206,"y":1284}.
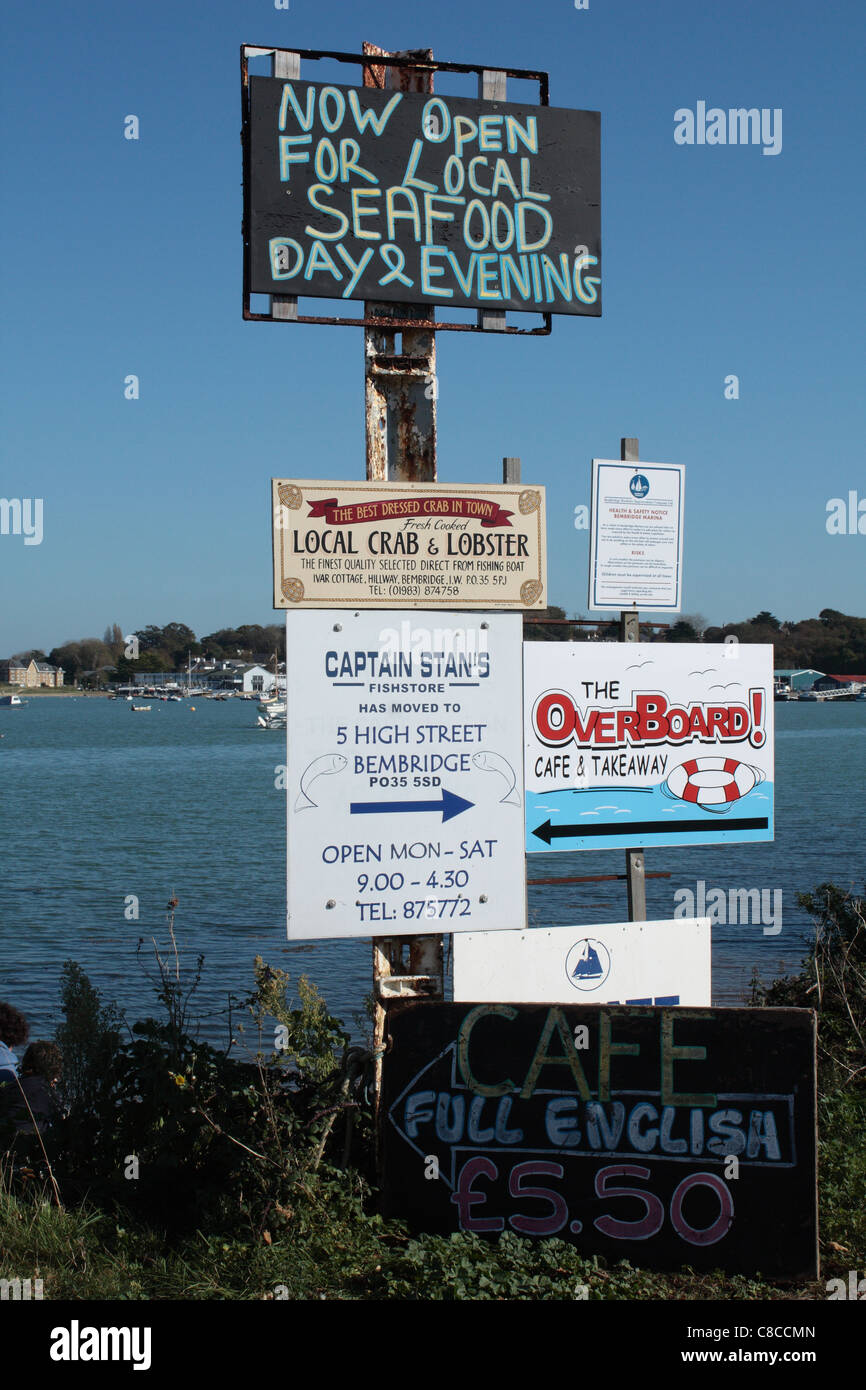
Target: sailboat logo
{"x":587,"y":964}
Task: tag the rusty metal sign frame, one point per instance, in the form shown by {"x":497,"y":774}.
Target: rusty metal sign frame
{"x":414,"y":64}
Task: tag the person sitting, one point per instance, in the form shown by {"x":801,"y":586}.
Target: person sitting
{"x":36,"y":1104}
{"x":14,"y":1032}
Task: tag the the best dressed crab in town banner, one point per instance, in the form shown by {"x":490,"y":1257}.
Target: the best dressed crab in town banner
{"x":656,"y":744}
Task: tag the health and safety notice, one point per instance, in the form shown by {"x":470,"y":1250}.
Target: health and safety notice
{"x":404,"y":773}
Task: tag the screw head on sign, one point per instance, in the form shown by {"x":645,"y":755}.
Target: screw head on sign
{"x":483,"y":898}
{"x":338,"y":627}
{"x":332,"y":902}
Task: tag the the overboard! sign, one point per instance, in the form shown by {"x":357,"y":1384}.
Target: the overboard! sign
{"x":356,"y":193}
{"x":630,"y":746}
{"x":403,"y":545}
{"x":661,"y":1136}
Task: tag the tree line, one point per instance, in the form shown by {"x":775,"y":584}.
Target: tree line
{"x":833,"y":641}
{"x":98,"y":661}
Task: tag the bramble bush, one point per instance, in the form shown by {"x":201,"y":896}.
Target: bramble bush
{"x":832,"y":980}
{"x":187,"y":1137}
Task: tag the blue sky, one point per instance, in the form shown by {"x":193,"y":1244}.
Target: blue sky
{"x":125,"y":257}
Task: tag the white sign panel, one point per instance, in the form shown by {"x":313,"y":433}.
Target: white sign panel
{"x":608,"y":963}
{"x":405,"y":763}
{"x":634,"y":745}
{"x":636,"y":536}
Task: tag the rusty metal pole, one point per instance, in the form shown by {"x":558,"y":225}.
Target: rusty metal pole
{"x":629,"y":631}
{"x":400,"y":417}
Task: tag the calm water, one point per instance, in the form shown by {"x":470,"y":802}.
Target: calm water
{"x":98,"y":803}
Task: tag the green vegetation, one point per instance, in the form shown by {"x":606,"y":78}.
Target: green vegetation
{"x":833,"y":982}
{"x":833,"y":642}
{"x":184,"y":1172}
{"x":94,"y":661}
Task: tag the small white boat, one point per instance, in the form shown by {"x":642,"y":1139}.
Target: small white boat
{"x":11,"y":700}
{"x":272,"y":720}
{"x":140,"y":709}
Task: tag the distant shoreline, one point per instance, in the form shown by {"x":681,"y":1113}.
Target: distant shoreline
{"x":27,"y":694}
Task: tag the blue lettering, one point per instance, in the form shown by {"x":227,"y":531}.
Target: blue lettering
{"x":305,"y":118}
{"x":289,"y":157}
{"x":428,"y":271}
{"x":369,"y":117}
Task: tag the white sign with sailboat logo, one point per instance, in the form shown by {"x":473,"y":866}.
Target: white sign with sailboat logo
{"x":663,"y":962}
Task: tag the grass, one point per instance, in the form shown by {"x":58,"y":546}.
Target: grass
{"x":83,"y":1255}
{"x":328,"y":1247}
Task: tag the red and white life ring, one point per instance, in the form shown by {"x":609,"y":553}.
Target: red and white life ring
{"x":712,"y":781}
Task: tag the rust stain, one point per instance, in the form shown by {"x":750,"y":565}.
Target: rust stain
{"x":374,"y":73}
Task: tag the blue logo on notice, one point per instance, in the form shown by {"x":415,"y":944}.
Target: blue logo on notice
{"x":587,"y":964}
{"x":639,"y":485}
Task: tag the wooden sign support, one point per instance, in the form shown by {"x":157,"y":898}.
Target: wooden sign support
{"x":400,"y":416}
{"x":400,"y":391}
{"x":629,"y":631}
{"x":288,"y":66}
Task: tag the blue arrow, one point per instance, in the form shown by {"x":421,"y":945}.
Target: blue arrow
{"x":451,"y":805}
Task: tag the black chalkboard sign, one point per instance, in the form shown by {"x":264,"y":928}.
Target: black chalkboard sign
{"x":662,"y":1136}
{"x":358,"y":193}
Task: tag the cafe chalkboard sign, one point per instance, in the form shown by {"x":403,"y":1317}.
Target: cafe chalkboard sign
{"x":361,"y":193}
{"x":663,"y":1136}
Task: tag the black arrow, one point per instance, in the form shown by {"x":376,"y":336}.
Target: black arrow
{"x":548,"y":832}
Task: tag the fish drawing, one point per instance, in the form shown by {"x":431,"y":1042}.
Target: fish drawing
{"x":487,"y":761}
{"x":326,"y":766}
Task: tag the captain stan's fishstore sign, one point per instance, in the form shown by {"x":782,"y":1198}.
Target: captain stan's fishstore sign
{"x":631,"y":746}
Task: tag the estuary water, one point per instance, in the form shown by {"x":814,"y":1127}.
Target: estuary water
{"x":104,"y":812}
